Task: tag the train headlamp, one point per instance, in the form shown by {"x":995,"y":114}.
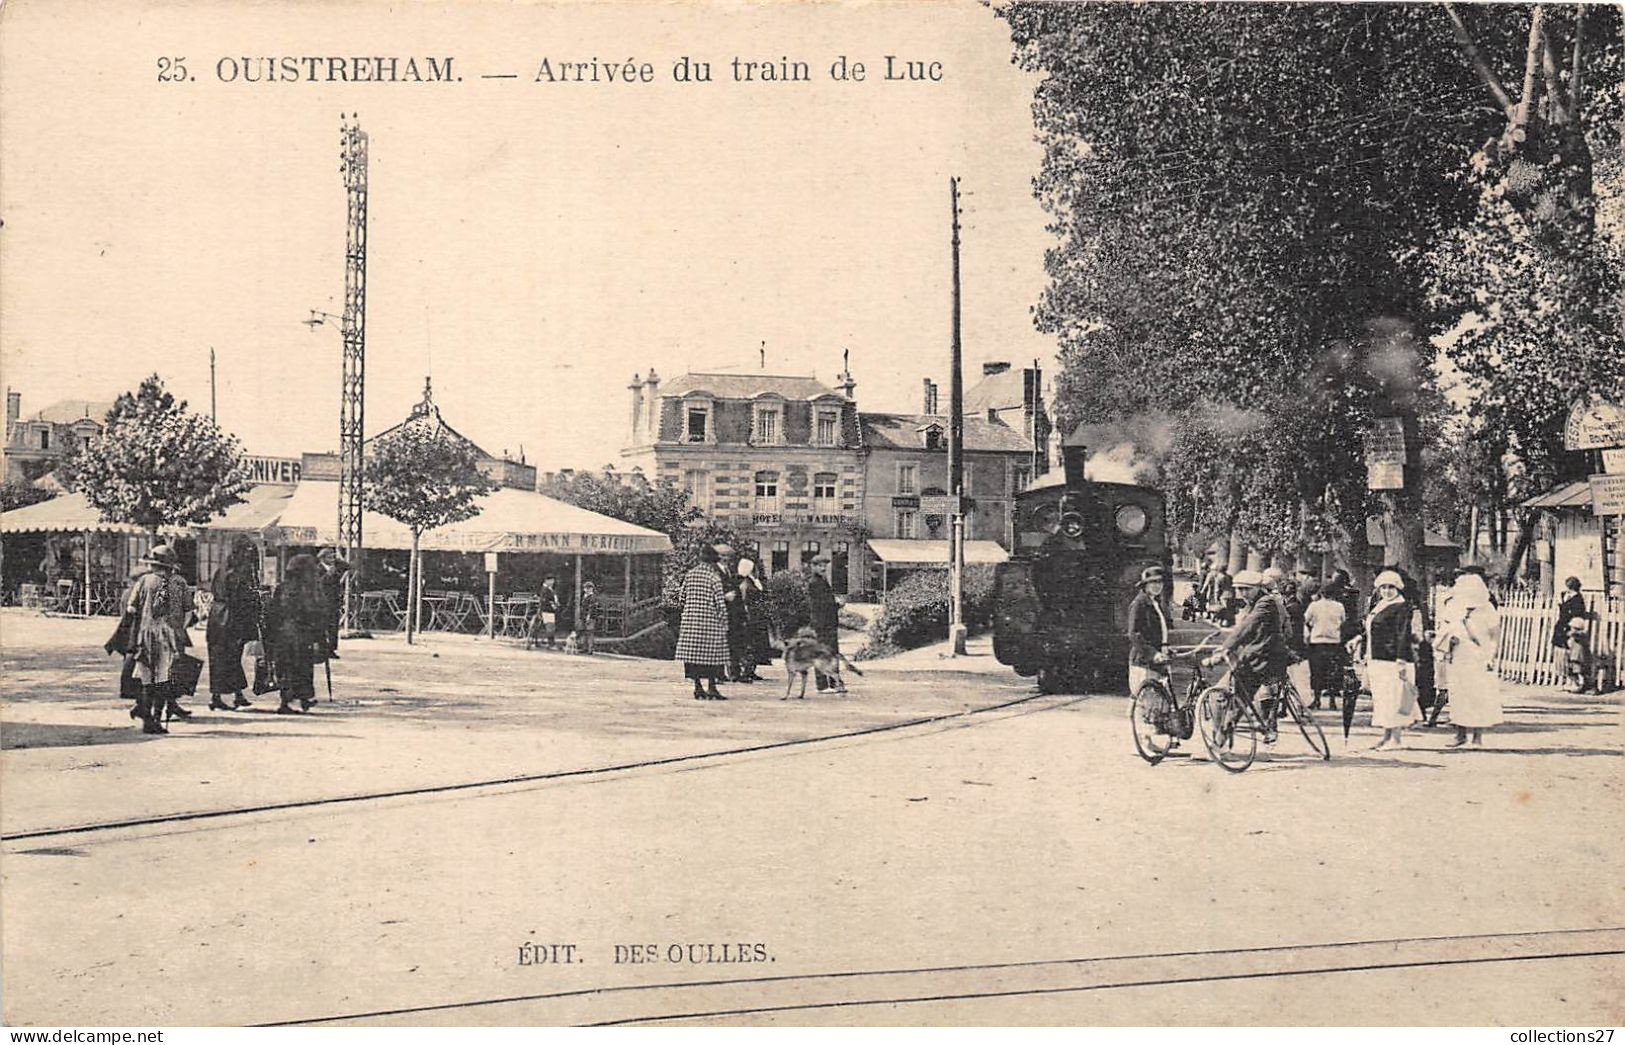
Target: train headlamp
{"x":1132,"y":520}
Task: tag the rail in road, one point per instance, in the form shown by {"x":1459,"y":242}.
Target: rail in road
{"x":1039,"y":702}
{"x":815,"y":996}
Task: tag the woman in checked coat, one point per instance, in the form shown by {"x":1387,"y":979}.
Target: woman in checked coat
{"x":702,"y":637}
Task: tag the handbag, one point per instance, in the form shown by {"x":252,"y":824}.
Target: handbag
{"x":264,"y":676}
{"x":185,"y":672}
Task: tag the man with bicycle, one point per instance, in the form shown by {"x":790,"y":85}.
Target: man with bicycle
{"x":1257,"y":649}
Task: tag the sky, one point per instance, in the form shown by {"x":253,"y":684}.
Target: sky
{"x":532,"y":245}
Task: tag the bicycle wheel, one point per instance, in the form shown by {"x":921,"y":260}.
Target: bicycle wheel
{"x":1146,"y":712}
{"x":1306,"y":722}
{"x":1229,"y":729}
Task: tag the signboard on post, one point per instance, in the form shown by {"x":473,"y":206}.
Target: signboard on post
{"x":1595,"y":425}
{"x":1385,"y":454}
{"x":1613,"y":462}
{"x":937,"y":504}
{"x":1608,"y":495}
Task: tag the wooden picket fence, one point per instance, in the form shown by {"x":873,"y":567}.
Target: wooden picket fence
{"x":1527,"y":653}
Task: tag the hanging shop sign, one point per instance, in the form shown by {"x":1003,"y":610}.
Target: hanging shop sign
{"x":1595,"y":425}
{"x":1608,"y":495}
{"x":1385,"y":454}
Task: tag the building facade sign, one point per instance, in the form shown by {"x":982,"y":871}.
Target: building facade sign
{"x":273,"y":471}
{"x":1385,"y":454}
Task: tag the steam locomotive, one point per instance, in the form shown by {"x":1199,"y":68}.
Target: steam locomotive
{"x":1061,"y":602}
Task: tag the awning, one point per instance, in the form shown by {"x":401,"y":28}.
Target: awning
{"x":509,"y":521}
{"x":1376,"y":537}
{"x":934,"y":553}
{"x":70,"y":513}
{"x":1569,"y":495}
{"x":259,"y":511}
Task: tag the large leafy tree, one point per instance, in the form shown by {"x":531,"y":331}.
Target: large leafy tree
{"x":664,"y":506}
{"x":1243,"y":196}
{"x":1533,"y":280}
{"x":156,"y":463}
{"x":424,"y":477}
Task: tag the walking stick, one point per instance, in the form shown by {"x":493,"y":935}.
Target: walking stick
{"x":328,"y":666}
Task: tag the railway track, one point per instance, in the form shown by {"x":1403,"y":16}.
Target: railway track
{"x":822,"y":996}
{"x":699,"y":758}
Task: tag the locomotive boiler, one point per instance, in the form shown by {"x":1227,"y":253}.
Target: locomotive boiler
{"x":1061,"y":602}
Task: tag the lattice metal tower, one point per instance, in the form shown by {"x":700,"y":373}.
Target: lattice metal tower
{"x":353,"y":165}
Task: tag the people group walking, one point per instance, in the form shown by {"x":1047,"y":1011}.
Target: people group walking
{"x":235,"y":614}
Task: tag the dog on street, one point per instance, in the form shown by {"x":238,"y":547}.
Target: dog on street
{"x":805,"y":653}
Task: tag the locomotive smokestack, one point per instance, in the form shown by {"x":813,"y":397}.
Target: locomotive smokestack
{"x":1074,"y":455}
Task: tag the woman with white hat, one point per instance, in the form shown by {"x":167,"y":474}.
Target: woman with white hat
{"x":1389,"y":660}
{"x":1473,"y":643}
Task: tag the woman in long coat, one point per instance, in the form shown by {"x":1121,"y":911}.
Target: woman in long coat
{"x":758,"y":620}
{"x":299,"y":629}
{"x":1474,"y":643}
{"x":702,"y":636}
{"x":160,"y":602}
{"x":234,"y":619}
{"x":1390,"y":660}
{"x":1575,"y":642}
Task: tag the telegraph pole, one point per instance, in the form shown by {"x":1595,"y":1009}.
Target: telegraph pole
{"x":353,"y":165}
{"x":213,"y":416}
{"x":956,"y":457}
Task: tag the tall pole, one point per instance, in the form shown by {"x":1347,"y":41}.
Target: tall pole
{"x":956,"y":456}
{"x":353,"y":164}
{"x":213,"y":416}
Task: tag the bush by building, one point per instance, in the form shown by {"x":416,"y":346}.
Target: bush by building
{"x":915,"y":611}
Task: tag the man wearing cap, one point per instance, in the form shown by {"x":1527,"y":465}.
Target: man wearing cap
{"x":1147,"y":630}
{"x":1257,"y":648}
{"x":331,"y":583}
{"x":822,"y":613}
{"x":1285,"y":592}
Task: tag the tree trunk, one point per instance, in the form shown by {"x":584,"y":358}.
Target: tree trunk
{"x":1526,"y":534}
{"x":412,"y":591}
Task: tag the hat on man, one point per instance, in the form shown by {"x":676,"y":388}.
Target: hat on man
{"x":820,"y":559}
{"x":725,"y":549}
{"x":1390,"y":579}
{"x":1273,"y":576}
{"x":1152,"y":573}
{"x":161,"y":555}
{"x":1248,"y":579}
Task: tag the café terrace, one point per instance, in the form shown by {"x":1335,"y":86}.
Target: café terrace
{"x":480,"y":574}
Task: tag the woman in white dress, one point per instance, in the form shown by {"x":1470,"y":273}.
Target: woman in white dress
{"x":1390,"y":661}
{"x":1474,"y":642}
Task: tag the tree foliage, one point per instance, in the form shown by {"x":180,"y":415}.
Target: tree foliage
{"x":664,"y":506}
{"x":15,"y":494}
{"x":1253,"y":206}
{"x":155,"y":463}
{"x":424,"y":478}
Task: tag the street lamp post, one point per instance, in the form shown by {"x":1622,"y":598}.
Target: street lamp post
{"x":351,"y":489}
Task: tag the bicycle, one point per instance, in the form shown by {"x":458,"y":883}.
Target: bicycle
{"x":1157,"y":719}
{"x":1231,"y":726}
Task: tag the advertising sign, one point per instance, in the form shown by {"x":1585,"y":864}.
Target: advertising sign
{"x":1613,"y":462}
{"x":1608,"y":494}
{"x":1385,"y":454}
{"x":1595,"y":426}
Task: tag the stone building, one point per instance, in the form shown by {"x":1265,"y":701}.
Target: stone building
{"x":36,"y":444}
{"x":776,"y":457}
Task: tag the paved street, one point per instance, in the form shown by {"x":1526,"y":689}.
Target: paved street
{"x":962,"y":830}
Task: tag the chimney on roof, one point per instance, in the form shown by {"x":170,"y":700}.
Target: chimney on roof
{"x":989,"y":369}
{"x":14,"y":409}
{"x":930,"y":403}
{"x":651,"y":396}
{"x":636,"y":388}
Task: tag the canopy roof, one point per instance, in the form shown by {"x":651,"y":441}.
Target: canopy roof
{"x":1569,"y":495}
{"x":934,"y":553}
{"x":509,"y":521}
{"x":69,"y":513}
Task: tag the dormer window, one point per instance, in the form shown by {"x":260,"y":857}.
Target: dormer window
{"x":933,"y":437}
{"x":697,"y":426}
{"x":769,"y":424}
{"x":829,"y":427}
